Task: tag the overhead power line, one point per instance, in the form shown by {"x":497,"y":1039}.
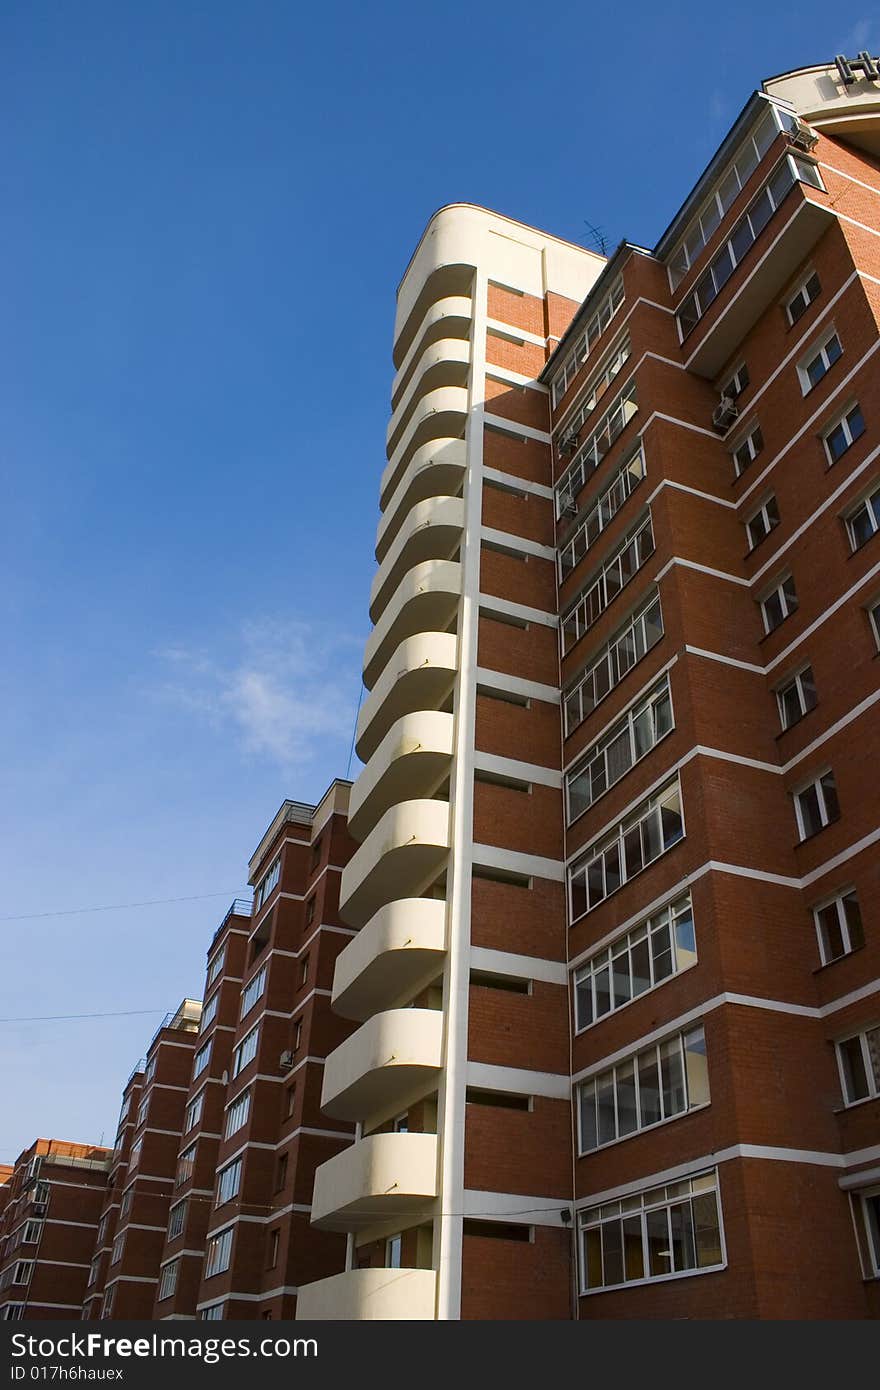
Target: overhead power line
{"x":116,"y":907}
{"x":55,"y":1018}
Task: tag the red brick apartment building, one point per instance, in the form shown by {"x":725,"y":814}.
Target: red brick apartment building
{"x":617,"y":890}
{"x":50,"y":1203}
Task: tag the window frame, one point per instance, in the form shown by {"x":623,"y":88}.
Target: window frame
{"x":815,"y":785}
{"x":768,"y":513}
{"x":253,"y":991}
{"x":168,"y":1278}
{"x":616,"y":839}
{"x":872,"y":1078}
{"x":818,"y":352}
{"x":228,"y":1182}
{"x":246,"y":1051}
{"x":218,"y":1248}
{"x":665,"y":918}
{"x":838,"y":901}
{"x":746,"y":442}
{"x":869,"y":503}
{"x":242,"y":1103}
{"x":648,"y":703}
{"x":632,"y":1062}
{"x":795,"y":681}
{"x":803,"y":292}
{"x":788,"y":603}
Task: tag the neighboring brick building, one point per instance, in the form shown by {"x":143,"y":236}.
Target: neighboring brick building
{"x":618,"y":886}
{"x":50,"y":1202}
{"x":125,"y":1267}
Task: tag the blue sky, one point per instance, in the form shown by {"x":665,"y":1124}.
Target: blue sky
{"x":205,"y":212}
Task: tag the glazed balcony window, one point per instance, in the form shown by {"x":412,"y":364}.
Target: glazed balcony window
{"x":578,"y":355}
{"x":625,"y":481}
{"x":628,"y":741}
{"x":614,"y":576}
{"x":657,"y":1084}
{"x":615,"y":661}
{"x":591,"y":454}
{"x":654,"y":951}
{"x":630,"y":847}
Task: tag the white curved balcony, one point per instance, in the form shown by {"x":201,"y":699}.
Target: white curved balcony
{"x":432,"y":531}
{"x":400,"y":858}
{"x":378,"y":1179}
{"x":392,"y":1060}
{"x":439,"y":414}
{"x":444,"y":363}
{"x":426,"y":599}
{"x":435,"y":470}
{"x":445,"y":318}
{"x":393,"y":957}
{"x":419,"y":675}
{"x":392,"y":1295}
{"x":412,"y":761}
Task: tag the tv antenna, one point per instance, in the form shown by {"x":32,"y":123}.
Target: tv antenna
{"x":597,"y":236}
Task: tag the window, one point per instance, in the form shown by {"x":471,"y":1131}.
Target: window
{"x":746,"y":452}
{"x":803,"y":298}
{"x":253,"y":991}
{"x":816,"y":805}
{"x":859,"y":1061}
{"x":209,"y":1013}
{"x":633,"y":844}
{"x":796,"y":697}
{"x":874,"y":620}
{"x":185,"y":1164}
{"x":663,"y":1081}
{"x":272,"y":1243}
{"x":107,"y":1305}
{"x":297,"y":1035}
{"x":630,"y":739}
{"x":202,"y":1058}
{"x":93,"y":1271}
{"x":193,"y":1112}
{"x":177,"y":1219}
{"x":737,"y":383}
{"x":864,"y":522}
{"x":246,"y":1051}
{"x":228,"y":1182}
{"x":102,"y":1230}
{"x":267,"y":884}
{"x":660,"y":947}
{"x":762,"y":522}
{"x":401,"y":1124}
{"x":168,"y":1279}
{"x":393,"y":1251}
{"x":843,"y":433}
{"x":613,"y":576}
{"x":289,"y":1101}
{"x":779,"y":604}
{"x":134,"y":1156}
{"x":22,"y":1272}
{"x":819,"y":361}
{"x":839,"y":926}
{"x":317,"y":850}
{"x":591,"y":454}
{"x":237,"y":1114}
{"x":727,"y":189}
{"x":116,"y":1252}
{"x":310,"y":911}
{"x":13,"y":1312}
{"x":150,"y":1069}
{"x":142,"y":1111}
{"x":625,"y":481}
{"x":125,"y":1205}
{"x":281,"y":1172}
{"x":790,"y":170}
{"x":637,"y":638}
{"x":216,"y":965}
{"x":656,"y":1234}
{"x":575,"y":359}
{"x":217,"y":1255}
{"x":596,"y":389}
{"x":214,"y":1313}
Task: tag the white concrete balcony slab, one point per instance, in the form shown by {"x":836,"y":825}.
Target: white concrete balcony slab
{"x":435,"y":470}
{"x":411,"y":761}
{"x":426,"y":600}
{"x":398,"y":859}
{"x":431,"y":531}
{"x":392,"y":1060}
{"x":419,"y":675}
{"x":392,"y":1295}
{"x":380,"y":1178}
{"x":445,"y":318}
{"x":444,"y":363}
{"x":393,"y":957}
{"x":439,"y":414}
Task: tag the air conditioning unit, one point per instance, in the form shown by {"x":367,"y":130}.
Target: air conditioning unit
{"x":39,"y":1208}
{"x":724,"y":414}
{"x":802,"y":135}
{"x":569,"y":442}
{"x":285,"y":1061}
{"x":567,"y":504}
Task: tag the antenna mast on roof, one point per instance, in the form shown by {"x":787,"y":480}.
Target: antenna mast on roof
{"x":597,"y":236}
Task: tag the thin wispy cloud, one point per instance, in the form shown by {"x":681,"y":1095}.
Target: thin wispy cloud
{"x":864,"y":34}
{"x":284,"y":685}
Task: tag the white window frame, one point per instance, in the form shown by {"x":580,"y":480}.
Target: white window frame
{"x":870,"y":505}
{"x":209,"y":1012}
{"x":218,"y":1253}
{"x":575,"y":359}
{"x":268,"y":883}
{"x":202,"y":1058}
{"x":597,"y":854}
{"x":871,"y":1229}
{"x":228,"y":1182}
{"x":596,"y":389}
{"x":394,"y":1252}
{"x":844,"y":423}
{"x":177,"y":1219}
{"x":872,"y":1078}
{"x":768,"y":516}
{"x":795,"y":682}
{"x":736,"y":383}
{"x":168,"y":1279}
{"x":752,"y":444}
{"x":213,"y":1313}
{"x":873,"y":612}
{"x":185,"y":1164}
{"x":815,"y":785}
{"x":143,"y":1109}
{"x":838,"y":902}
{"x":605,"y":584}
{"x":237,"y":1114}
{"x":644,"y":713}
{"x":617,"y":956}
{"x":22,"y":1271}
{"x":193,"y":1112}
{"x":652,"y":1055}
{"x":215,"y":965}
{"x":246,"y":1051}
{"x":629,"y":643}
{"x":591,"y":454}
{"x":602,"y":513}
{"x":117,"y":1248}
{"x":819,"y":352}
{"x":804,"y":293}
{"x":150,"y":1069}
{"x":788,"y":602}
{"x":253,"y":990}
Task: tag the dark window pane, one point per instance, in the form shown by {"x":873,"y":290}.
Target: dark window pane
{"x":659,"y":1254}
{"x":649,"y":1088}
{"x":612,"y":1252}
{"x":627,"y":1115}
{"x":707,"y":1235}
